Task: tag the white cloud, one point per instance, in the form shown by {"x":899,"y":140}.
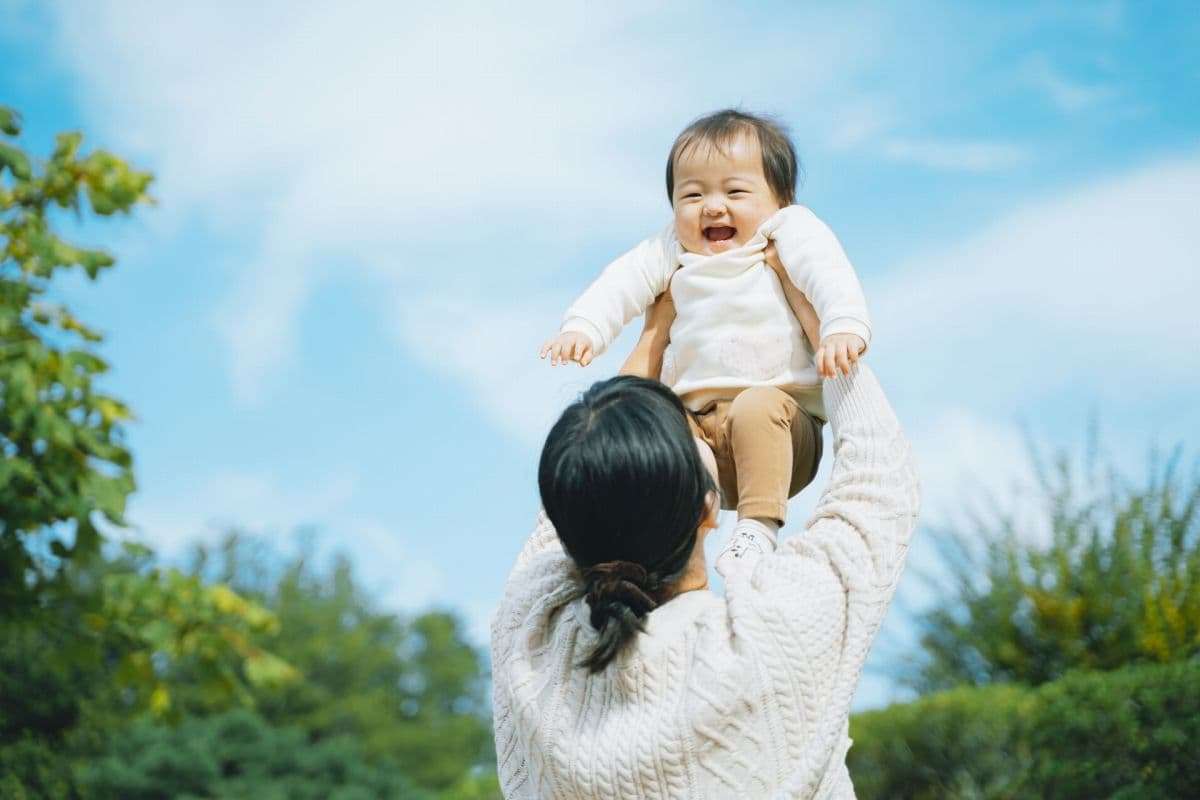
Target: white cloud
{"x":955,"y":155}
{"x":961,"y":455}
{"x":1066,"y":93}
{"x":859,"y":121}
{"x":1090,"y":289}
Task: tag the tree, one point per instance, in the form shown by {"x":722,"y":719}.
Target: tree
{"x":63,"y":461}
{"x":1116,"y":581}
{"x":237,"y":754}
{"x":411,"y":691}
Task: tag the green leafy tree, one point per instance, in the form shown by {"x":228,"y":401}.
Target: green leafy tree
{"x":135,"y":646}
{"x":410,"y":690}
{"x":1090,"y":571}
{"x":63,"y":461}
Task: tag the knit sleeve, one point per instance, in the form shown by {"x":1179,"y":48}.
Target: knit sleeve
{"x":813,"y":606}
{"x":817,"y":265}
{"x":624,"y":290}
{"x":866,"y":515}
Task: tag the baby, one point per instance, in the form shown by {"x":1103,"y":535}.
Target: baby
{"x":742,"y":276}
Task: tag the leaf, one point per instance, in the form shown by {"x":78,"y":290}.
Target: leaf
{"x":16,"y":161}
{"x":10,"y":121}
{"x":96,"y":622}
{"x":94,"y":260}
{"x":160,"y":700}
{"x":111,"y":410}
{"x":264,"y":669}
{"x":67,"y":145}
{"x":107,"y":494}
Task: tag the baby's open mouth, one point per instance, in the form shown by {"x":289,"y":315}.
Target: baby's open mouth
{"x":719,"y":233}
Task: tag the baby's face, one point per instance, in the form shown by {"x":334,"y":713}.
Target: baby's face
{"x":721,"y":199}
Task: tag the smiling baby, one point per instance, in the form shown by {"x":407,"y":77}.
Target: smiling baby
{"x":736,"y":286}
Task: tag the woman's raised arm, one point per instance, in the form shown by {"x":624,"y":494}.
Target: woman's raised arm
{"x":866,"y":515}
{"x":822,"y":595}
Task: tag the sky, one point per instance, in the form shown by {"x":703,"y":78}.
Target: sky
{"x":370,"y":215}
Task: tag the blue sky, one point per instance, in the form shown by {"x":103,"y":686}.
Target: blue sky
{"x":370,"y":215}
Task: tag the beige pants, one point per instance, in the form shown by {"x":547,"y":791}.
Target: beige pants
{"x":767,"y":449}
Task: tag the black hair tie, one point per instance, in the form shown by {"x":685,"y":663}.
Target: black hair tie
{"x":626,"y":582}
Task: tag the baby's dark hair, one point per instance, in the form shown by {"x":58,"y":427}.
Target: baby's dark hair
{"x":779,"y":162}
{"x":624,"y":485}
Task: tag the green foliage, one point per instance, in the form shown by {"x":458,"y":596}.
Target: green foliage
{"x":1115,"y":581}
{"x":404,"y":697}
{"x":74,"y":674}
{"x":63,"y":461}
{"x":32,"y":769}
{"x":412,"y":691}
{"x":238,"y":754}
{"x":1129,"y":734}
{"x":176,"y":633}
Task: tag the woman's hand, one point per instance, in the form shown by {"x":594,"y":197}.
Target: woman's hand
{"x":647,"y":356}
{"x":803,"y":309}
{"x":569,"y":346}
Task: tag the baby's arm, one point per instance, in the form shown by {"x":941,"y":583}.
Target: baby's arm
{"x":817,"y":266}
{"x":623,"y":291}
{"x":647,"y":356}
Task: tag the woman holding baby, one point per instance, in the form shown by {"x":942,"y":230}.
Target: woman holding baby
{"x":617,"y":674}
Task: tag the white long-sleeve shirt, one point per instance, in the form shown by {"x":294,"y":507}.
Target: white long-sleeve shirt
{"x":746,"y":696}
{"x":733,"y":327}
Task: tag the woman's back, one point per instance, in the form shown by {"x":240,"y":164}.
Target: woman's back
{"x":744,"y":696}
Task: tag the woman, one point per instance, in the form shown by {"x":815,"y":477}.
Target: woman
{"x":618,"y":675}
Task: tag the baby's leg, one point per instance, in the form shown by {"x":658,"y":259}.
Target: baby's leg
{"x":767,"y":432}
{"x":776,"y":448}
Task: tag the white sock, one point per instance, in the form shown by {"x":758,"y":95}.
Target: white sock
{"x":750,"y":538}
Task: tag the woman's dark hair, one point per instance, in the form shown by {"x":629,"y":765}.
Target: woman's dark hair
{"x":623,"y":483}
{"x":780,"y":166}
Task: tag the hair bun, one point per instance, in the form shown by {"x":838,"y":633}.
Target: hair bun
{"x":625,"y":582}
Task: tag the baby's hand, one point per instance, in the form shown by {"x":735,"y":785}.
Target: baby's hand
{"x":569,"y":346}
{"x":839,"y":351}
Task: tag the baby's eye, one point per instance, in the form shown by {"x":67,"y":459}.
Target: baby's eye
{"x":738,"y":191}
{"x":690,"y":196}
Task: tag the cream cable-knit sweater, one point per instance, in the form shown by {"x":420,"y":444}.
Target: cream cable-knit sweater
{"x":746,"y":696}
{"x":733,"y":326}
